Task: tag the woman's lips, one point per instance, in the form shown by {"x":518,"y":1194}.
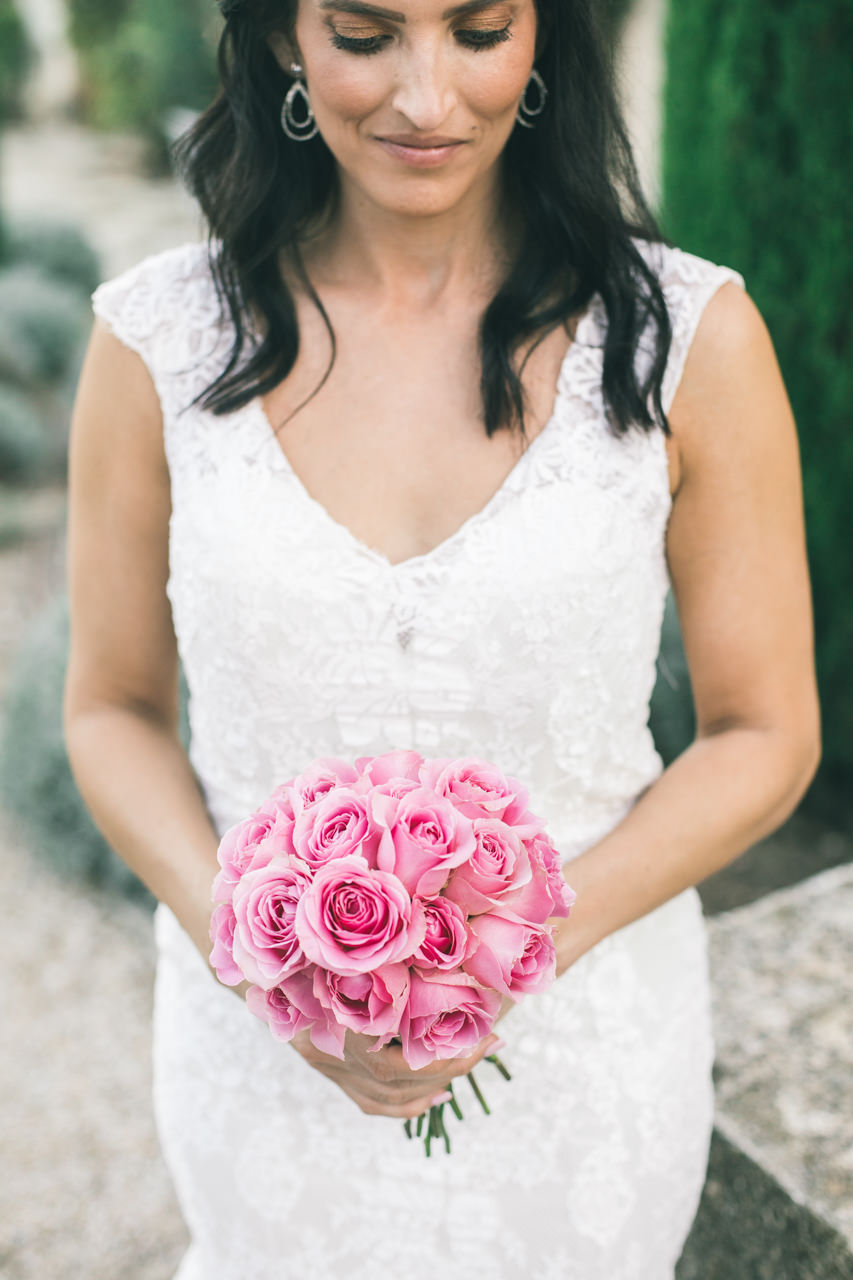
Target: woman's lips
{"x":418,"y":155}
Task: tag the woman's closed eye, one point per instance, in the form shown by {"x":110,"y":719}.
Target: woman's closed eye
{"x":471,"y":38}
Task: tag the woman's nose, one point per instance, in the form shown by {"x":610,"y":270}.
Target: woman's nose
{"x":424,"y":93}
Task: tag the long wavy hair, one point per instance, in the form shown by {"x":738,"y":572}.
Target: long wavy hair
{"x":572,"y":177}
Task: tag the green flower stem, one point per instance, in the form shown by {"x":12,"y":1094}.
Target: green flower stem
{"x":454,"y":1105}
{"x":478,"y":1095}
{"x":445,"y":1135}
{"x":496,"y":1062}
{"x":431,"y":1123}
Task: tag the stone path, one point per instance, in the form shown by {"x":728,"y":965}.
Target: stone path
{"x":783,"y":1025}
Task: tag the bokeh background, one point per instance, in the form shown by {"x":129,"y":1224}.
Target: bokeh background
{"x":742,"y":117}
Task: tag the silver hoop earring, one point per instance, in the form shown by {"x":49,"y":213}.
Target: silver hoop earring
{"x":527,"y":114}
{"x":299,"y":129}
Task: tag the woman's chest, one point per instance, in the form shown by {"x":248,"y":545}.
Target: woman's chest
{"x":392,"y":443}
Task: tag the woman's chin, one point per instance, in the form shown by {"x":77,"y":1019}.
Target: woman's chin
{"x":413,"y":196}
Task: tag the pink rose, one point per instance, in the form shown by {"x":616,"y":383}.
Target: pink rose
{"x":446,"y":1017}
{"x":353,"y":918}
{"x":279,"y":804}
{"x":369,"y":1003}
{"x":321,"y":777}
{"x":222,"y":935}
{"x":243,"y":846}
{"x":423,"y":838}
{"x":447,"y":942}
{"x":479,"y":790}
{"x":265,"y":945}
{"x":392,"y":766}
{"x":395,"y":787}
{"x":498,"y":865}
{"x":513,"y":957}
{"x":289,"y":1009}
{"x":543,"y":854}
{"x":337,"y":825}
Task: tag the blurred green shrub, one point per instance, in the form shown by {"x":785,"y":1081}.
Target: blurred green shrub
{"x":24,"y":446}
{"x":758,"y":135}
{"x":15,"y":59}
{"x":93,"y":22}
{"x":45,"y":319}
{"x":672,"y":719}
{"x":43,"y":323}
{"x":57,"y":249}
{"x":36,"y":783}
{"x":142,"y":59}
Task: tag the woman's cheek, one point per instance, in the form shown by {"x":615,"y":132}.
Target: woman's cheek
{"x":349,"y":93}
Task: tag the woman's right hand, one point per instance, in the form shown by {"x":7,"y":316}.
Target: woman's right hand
{"x":382,"y":1083}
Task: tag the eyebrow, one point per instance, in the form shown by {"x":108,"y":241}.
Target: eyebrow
{"x":393,"y":15}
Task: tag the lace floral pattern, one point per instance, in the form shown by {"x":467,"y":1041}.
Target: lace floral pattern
{"x":299,"y":640}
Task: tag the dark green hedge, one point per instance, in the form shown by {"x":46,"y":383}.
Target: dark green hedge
{"x":758,"y":140}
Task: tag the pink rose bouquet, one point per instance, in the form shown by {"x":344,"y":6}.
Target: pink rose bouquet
{"x":398,"y":897}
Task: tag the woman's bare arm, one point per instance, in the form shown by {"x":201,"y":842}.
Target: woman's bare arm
{"x":121,"y":691}
{"x":736,"y":550}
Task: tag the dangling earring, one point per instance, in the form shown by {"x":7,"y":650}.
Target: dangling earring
{"x":527,"y":114}
{"x":298,"y":130}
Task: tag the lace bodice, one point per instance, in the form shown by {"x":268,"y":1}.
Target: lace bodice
{"x":529,"y":636}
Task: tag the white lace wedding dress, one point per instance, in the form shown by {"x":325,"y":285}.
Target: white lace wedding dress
{"x":528,"y":637}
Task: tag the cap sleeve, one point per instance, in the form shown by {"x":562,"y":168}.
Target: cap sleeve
{"x":146,"y":308}
{"x":688,"y":282}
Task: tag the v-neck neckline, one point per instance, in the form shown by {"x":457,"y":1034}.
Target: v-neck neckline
{"x":423,"y":560}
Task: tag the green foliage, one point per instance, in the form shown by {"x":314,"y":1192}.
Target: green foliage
{"x":23,"y":444}
{"x":36,"y":783}
{"x":43,"y":324}
{"x":93,"y":22}
{"x":15,"y":58}
{"x":143,"y":62}
{"x":757,"y":142}
{"x":57,"y":249}
{"x":672,"y":719}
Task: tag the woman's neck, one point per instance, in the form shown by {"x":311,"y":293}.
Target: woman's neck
{"x":413,"y":260}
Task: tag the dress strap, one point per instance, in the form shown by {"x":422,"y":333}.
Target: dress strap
{"x":688,"y":284}
{"x":164,"y":308}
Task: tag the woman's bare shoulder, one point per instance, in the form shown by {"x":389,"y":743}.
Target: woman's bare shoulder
{"x":731,"y":385}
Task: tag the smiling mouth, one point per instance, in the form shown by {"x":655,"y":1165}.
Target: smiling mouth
{"x":427,"y":144}
{"x":421,"y":152}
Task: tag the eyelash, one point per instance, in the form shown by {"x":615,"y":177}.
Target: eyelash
{"x":372,"y":44}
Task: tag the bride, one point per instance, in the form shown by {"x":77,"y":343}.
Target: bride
{"x":407,"y":456}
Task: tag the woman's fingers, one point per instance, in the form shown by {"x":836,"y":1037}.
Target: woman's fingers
{"x":389,"y":1066}
{"x":400,"y":1111}
{"x":382,"y":1082}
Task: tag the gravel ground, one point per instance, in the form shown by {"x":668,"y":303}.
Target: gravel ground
{"x":90,"y":1196}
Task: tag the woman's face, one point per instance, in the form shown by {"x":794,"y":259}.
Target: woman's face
{"x":415,"y":98}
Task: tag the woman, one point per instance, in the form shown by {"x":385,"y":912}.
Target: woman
{"x":425,"y":220}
